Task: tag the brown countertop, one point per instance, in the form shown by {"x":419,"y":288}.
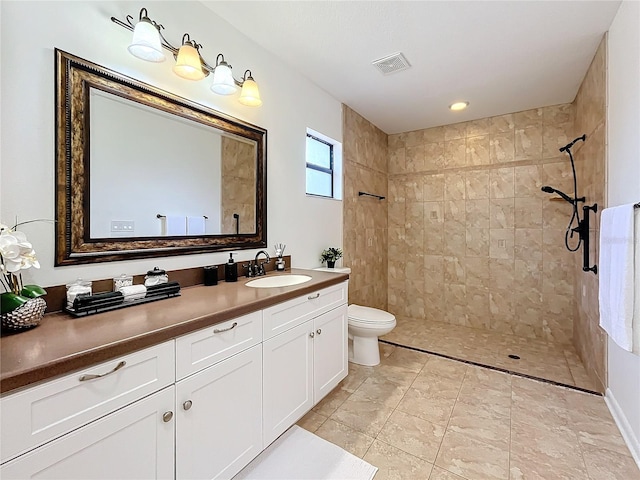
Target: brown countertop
{"x":62,"y":343}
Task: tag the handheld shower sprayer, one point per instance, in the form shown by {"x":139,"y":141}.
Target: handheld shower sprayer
{"x":548,"y":189}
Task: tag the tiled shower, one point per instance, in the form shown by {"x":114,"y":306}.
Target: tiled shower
{"x":471,"y":239}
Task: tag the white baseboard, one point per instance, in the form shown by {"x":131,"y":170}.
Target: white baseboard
{"x":623,"y":424}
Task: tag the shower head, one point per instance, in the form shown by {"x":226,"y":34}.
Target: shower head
{"x":569,"y":145}
{"x":548,"y":189}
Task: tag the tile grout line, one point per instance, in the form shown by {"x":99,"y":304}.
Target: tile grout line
{"x":492,"y":367}
{"x":449,"y":420}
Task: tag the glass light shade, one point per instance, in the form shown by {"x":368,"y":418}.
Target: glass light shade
{"x":250,"y":94}
{"x":223,"y":83}
{"x":188,"y":63}
{"x":146,"y":42}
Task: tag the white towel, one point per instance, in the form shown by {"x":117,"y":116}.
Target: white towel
{"x":174,"y":225}
{"x":617,"y":278}
{"x":195,"y":225}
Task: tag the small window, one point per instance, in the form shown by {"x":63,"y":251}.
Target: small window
{"x":319,"y":167}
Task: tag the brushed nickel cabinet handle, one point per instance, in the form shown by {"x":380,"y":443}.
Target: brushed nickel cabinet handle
{"x":319,"y":331}
{"x":312,"y":334}
{"x":167,"y":417}
{"x":220,"y":330}
{"x":187,"y":405}
{"x":313,"y":297}
{"x":91,"y":376}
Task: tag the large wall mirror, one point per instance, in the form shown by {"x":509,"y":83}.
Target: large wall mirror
{"x":142,"y":172}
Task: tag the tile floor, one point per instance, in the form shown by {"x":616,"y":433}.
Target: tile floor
{"x":559,"y":363}
{"x":417,"y":417}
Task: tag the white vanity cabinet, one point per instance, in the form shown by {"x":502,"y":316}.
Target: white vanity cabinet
{"x":92,"y":422}
{"x":219,"y":408}
{"x":305,"y":359}
{"x":202,"y":405}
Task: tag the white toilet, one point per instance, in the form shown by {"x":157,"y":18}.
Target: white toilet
{"x":366,"y":324}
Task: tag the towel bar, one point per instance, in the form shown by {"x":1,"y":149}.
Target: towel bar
{"x":379,"y":197}
{"x":159,"y":215}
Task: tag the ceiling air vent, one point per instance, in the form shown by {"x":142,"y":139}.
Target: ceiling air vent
{"x":391,"y":64}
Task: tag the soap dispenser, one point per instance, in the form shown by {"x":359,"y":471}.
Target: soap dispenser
{"x":231,"y":270}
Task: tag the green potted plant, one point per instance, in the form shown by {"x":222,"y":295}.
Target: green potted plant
{"x":21,"y":306}
{"x":331,"y":255}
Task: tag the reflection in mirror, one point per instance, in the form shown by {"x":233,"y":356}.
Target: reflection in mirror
{"x":197,"y":180}
{"x":141,"y":172}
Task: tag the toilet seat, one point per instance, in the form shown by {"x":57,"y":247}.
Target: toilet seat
{"x":367,"y":316}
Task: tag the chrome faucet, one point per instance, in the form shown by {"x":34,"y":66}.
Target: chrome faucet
{"x":257,"y":269}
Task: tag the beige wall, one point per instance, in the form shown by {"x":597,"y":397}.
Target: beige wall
{"x":365,"y":218}
{"x":238,"y":185}
{"x":588,"y":338}
{"x":472,"y":239}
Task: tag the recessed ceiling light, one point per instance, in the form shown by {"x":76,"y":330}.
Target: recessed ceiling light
{"x":457,"y":106}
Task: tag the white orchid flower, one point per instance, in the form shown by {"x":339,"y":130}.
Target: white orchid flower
{"x":29,"y":260}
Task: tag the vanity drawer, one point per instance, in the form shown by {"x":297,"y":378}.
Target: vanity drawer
{"x":44,"y":412}
{"x":210,"y":345}
{"x":286,"y":315}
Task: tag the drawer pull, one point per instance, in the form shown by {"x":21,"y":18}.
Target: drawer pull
{"x":312,"y":334}
{"x":220,"y":330}
{"x":313,"y":297}
{"x":91,"y":376}
{"x":187,"y":405}
{"x":167,"y":416}
{"x":319,"y":331}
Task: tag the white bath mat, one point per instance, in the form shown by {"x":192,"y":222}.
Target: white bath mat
{"x":300,"y":455}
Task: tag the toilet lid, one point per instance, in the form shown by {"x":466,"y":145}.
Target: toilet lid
{"x":369,"y":315}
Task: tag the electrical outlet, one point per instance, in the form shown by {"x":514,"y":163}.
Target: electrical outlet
{"x":370,"y":242}
{"x":502,"y":243}
{"x":126,"y":227}
{"x":434,"y":214}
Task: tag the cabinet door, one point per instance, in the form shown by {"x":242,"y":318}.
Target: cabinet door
{"x":132,"y":443}
{"x":287,"y":379}
{"x":219,"y":417}
{"x":330,"y":355}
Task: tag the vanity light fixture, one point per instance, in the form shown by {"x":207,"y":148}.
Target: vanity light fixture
{"x":188,"y":64}
{"x":148,"y":42}
{"x":223,"y":81}
{"x":250,"y":95}
{"x":458,"y":106}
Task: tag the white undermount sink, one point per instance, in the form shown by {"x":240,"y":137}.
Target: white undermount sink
{"x":278,"y":281}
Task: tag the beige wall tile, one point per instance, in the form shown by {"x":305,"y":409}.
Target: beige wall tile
{"x":501,"y":183}
{"x":501,"y":213}
{"x":415,"y":158}
{"x":528,"y":118}
{"x":502,"y":123}
{"x":433,"y":187}
{"x":477,"y":242}
{"x":454,"y":186}
{"x":477,"y":184}
{"x":455,"y":153}
{"x":502,"y":147}
{"x":528,"y":212}
{"x":528,"y":143}
{"x":478,"y":150}
{"x":477,"y":213}
{"x":456,"y":130}
{"x":434,"y":156}
{"x":528,"y":181}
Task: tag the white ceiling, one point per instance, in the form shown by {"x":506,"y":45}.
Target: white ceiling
{"x":502,"y":57}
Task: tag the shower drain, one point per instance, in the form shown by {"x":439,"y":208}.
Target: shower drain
{"x":515,"y":357}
